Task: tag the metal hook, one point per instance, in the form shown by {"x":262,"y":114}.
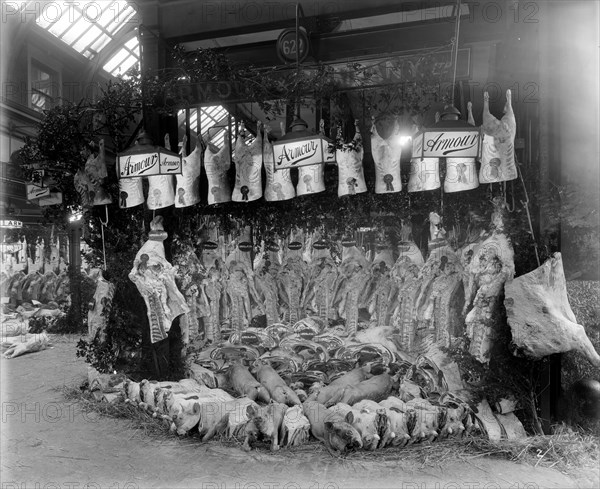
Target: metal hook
{"x":102,"y":225}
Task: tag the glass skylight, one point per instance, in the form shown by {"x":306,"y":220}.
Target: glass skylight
{"x":124,"y":59}
{"x":214,"y":124}
{"x":86,"y":26}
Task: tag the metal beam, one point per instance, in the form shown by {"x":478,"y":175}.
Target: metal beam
{"x":193,"y":21}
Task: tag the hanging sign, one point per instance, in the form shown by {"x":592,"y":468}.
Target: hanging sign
{"x":11,"y":247}
{"x":245,"y":246}
{"x":272,"y":247}
{"x":161,"y":162}
{"x":10,"y":224}
{"x":53,"y":199}
{"x":447,"y":143}
{"x":304,"y":152}
{"x":170,"y":164}
{"x":287,"y":50}
{"x":34,"y":191}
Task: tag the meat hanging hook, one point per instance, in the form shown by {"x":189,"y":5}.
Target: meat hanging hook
{"x":525,"y":203}
{"x":512,"y":196}
{"x":102,"y":224}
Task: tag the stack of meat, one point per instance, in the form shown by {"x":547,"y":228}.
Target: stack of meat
{"x":425,"y":303}
{"x":368,"y":407}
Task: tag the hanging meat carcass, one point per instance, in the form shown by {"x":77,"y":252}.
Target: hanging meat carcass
{"x":406,"y":245}
{"x":100,"y":308}
{"x":154,"y":277}
{"x":437,"y":245}
{"x":497,"y":159}
{"x":187,"y":191}
{"x":189,"y":276}
{"x":216,"y":163}
{"x":161,"y":191}
{"x":383,"y":289}
{"x":291,"y":279}
{"x":406,"y":275}
{"x":386,"y":155}
{"x":279,"y":183}
{"x":311,"y":178}
{"x":239,"y":281}
{"x":248,"y":165}
{"x":322,"y":274}
{"x":349,"y":157}
{"x":491,"y":266}
{"x":265,"y":281}
{"x":352,"y":280}
{"x":540,"y":316}
{"x":448,"y":299}
{"x":213,"y":285}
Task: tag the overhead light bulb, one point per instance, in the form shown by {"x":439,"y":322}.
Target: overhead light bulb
{"x":404,"y":140}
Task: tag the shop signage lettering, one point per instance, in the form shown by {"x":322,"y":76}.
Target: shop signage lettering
{"x":248,"y":338}
{"x":170,"y":165}
{"x":441,"y":144}
{"x":148,"y":164}
{"x":36,"y":192}
{"x":306,"y":333}
{"x":272,"y":247}
{"x":11,"y":224}
{"x":293,"y":154}
{"x":245,"y":246}
{"x":53,"y":199}
{"x":320,"y":245}
{"x":11,"y":247}
{"x":138,"y":165}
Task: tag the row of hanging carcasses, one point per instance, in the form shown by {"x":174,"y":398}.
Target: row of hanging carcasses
{"x":497,"y":165}
{"x":294,"y":289}
{"x":42,"y":287}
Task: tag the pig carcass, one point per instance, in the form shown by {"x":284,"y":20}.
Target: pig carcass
{"x":373,"y":420}
{"x":219,"y":417}
{"x":428,"y":419}
{"x":269,"y":422}
{"x":296,"y":427}
{"x":333,"y":393}
{"x":278,"y":389}
{"x":363,"y":422}
{"x":242,"y":382}
{"x":331,"y":428}
{"x":376,"y":389}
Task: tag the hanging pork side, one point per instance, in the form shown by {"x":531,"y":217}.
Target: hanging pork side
{"x":353,"y":278}
{"x":291,"y":280}
{"x":265,"y":281}
{"x":322,"y":274}
{"x":491,"y":266}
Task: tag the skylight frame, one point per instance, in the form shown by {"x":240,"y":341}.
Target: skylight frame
{"x":113,"y":17}
{"x":209,"y":123}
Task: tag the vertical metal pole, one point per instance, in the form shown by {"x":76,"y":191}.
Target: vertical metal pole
{"x":188,"y":144}
{"x":456,"y":34}
{"x":75,"y":270}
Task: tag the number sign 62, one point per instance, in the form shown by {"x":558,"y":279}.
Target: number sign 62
{"x":286,"y":45}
